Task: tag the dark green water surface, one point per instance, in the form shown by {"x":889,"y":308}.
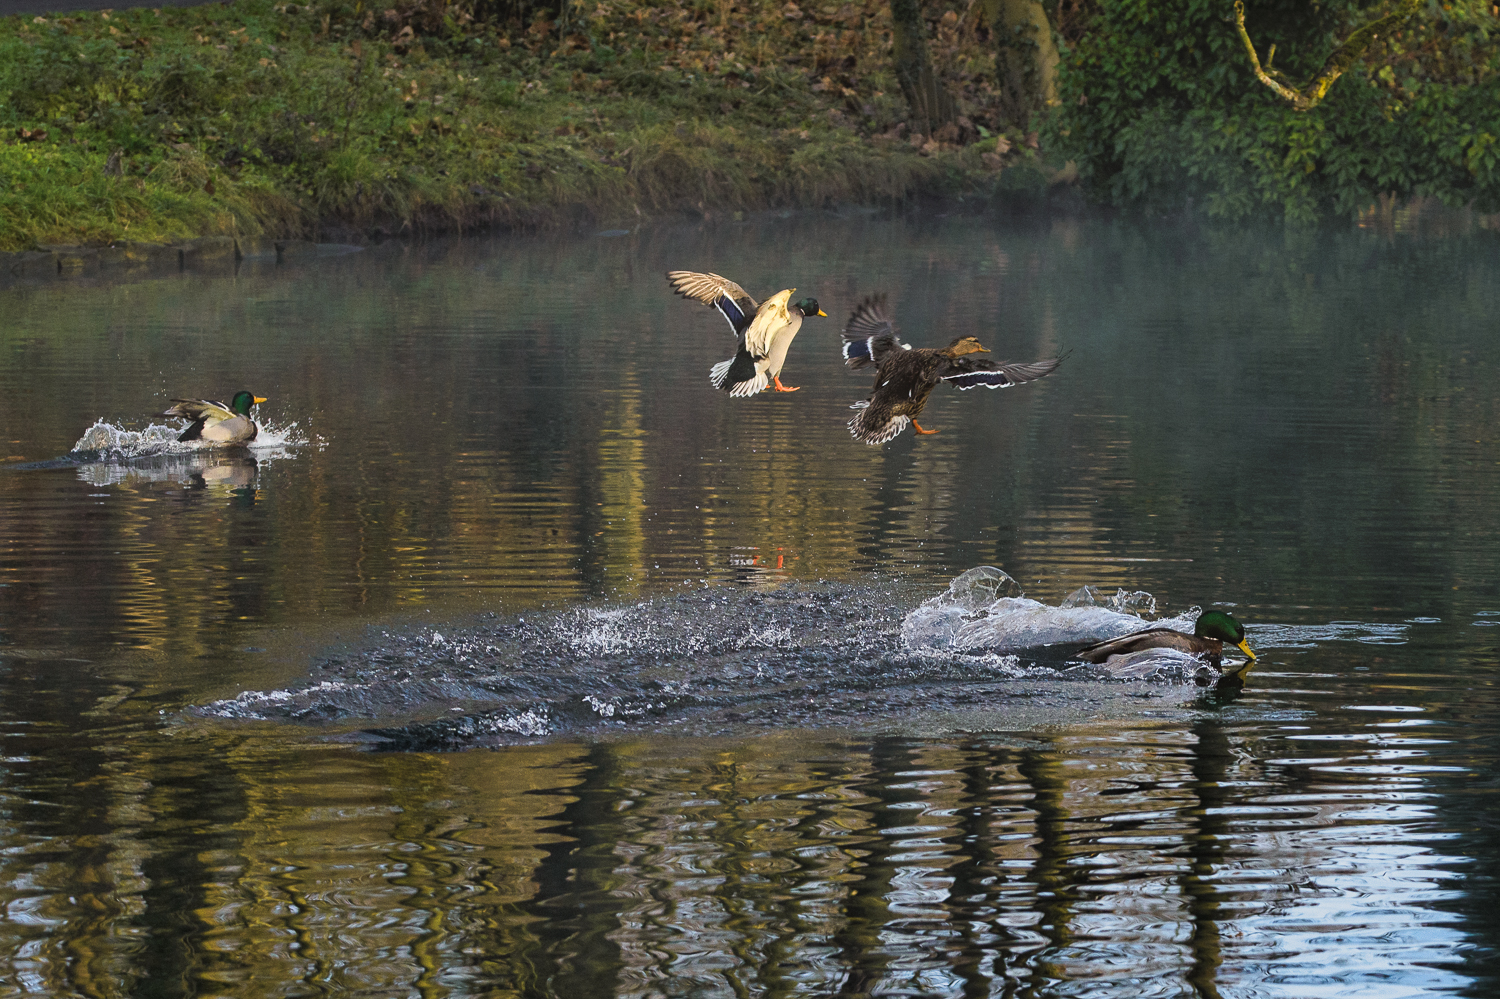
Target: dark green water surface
{"x":518,"y":662}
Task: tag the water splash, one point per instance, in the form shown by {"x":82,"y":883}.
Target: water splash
{"x":808,"y":656}
{"x":985,"y":609}
{"x":108,"y":455}
{"x":1136,"y":602}
{"x":104,"y":441}
{"x":719,"y":659}
{"x":1156,"y":666}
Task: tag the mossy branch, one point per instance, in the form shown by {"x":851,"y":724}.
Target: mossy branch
{"x":1308,"y":95}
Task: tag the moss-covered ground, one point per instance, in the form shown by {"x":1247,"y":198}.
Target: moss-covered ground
{"x":264,"y":118}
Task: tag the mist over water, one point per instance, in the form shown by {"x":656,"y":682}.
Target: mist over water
{"x":515,"y":660}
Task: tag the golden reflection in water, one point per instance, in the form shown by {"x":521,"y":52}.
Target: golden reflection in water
{"x":622,"y":484}
{"x":483,"y":432}
{"x":1128,"y":852}
{"x":1211,"y":439}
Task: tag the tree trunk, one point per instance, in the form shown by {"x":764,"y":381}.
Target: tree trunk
{"x":1027,"y":63}
{"x":930,"y":105}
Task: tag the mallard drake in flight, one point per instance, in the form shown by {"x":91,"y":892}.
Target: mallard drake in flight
{"x":216,"y":422}
{"x":764,"y":332}
{"x":1212,"y":630}
{"x":905,"y":376}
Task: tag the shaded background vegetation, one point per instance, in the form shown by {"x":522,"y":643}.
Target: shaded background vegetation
{"x":1160,"y":108}
{"x":294,"y":119}
{"x":284,"y":117}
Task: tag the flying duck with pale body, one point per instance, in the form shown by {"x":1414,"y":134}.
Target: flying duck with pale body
{"x":764,"y":331}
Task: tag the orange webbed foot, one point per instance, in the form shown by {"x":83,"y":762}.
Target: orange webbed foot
{"x":921,"y":431}
{"x":776,"y":380}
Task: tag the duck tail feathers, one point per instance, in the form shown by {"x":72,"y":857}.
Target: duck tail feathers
{"x":752,"y":386}
{"x":721,"y":378}
{"x":719,"y":372}
{"x":872,"y":432}
{"x":740,"y":376}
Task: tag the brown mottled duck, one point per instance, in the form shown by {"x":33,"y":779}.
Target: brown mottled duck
{"x":905,"y":376}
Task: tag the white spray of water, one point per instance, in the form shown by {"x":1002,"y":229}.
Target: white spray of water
{"x":114,"y":443}
{"x":114,"y":455}
{"x":985,"y":609}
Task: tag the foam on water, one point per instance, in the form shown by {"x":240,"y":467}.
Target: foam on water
{"x":108,"y":455}
{"x":105,"y":441}
{"x":716,"y":659}
{"x":985,"y":609}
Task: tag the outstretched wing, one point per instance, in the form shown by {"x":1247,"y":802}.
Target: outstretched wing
{"x":967,"y":372}
{"x":732,"y":301}
{"x":870,"y":334}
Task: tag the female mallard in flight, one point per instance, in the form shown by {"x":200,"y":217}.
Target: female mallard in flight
{"x":906,"y":376}
{"x":215,"y":422}
{"x":764,"y":332}
{"x":1211,"y":631}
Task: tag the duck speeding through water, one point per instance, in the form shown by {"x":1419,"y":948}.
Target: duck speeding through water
{"x":1210,"y":634}
{"x":765,"y":332}
{"x":905,"y":376}
{"x":215,"y":422}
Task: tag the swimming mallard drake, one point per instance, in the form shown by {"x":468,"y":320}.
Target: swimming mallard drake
{"x":1211,"y":631}
{"x":765,"y":331}
{"x":905,"y":376}
{"x":216,"y":422}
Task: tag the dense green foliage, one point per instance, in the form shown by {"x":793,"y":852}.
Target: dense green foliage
{"x":1160,"y":108}
{"x":287,"y":118}
{"x":291,"y":119}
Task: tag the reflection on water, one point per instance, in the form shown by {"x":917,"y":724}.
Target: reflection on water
{"x":718,"y":765}
{"x":1210,"y":855}
{"x":520,"y":421}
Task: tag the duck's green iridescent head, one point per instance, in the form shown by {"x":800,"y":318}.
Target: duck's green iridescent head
{"x":809,"y":307}
{"x":1222,"y":626}
{"x":242,"y":402}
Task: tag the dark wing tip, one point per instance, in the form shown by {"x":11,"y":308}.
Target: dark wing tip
{"x":966,"y":372}
{"x":869,"y":332}
{"x":869,"y":316}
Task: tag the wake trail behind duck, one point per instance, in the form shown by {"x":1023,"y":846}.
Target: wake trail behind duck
{"x":804,"y":656}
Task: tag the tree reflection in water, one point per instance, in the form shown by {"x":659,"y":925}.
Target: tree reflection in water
{"x":1299,"y":424}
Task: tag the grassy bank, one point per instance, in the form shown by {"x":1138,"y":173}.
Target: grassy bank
{"x":263,"y":118}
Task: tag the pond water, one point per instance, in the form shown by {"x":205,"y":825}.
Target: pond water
{"x":515,"y":660}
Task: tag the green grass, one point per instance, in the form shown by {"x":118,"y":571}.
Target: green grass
{"x":287,"y":120}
